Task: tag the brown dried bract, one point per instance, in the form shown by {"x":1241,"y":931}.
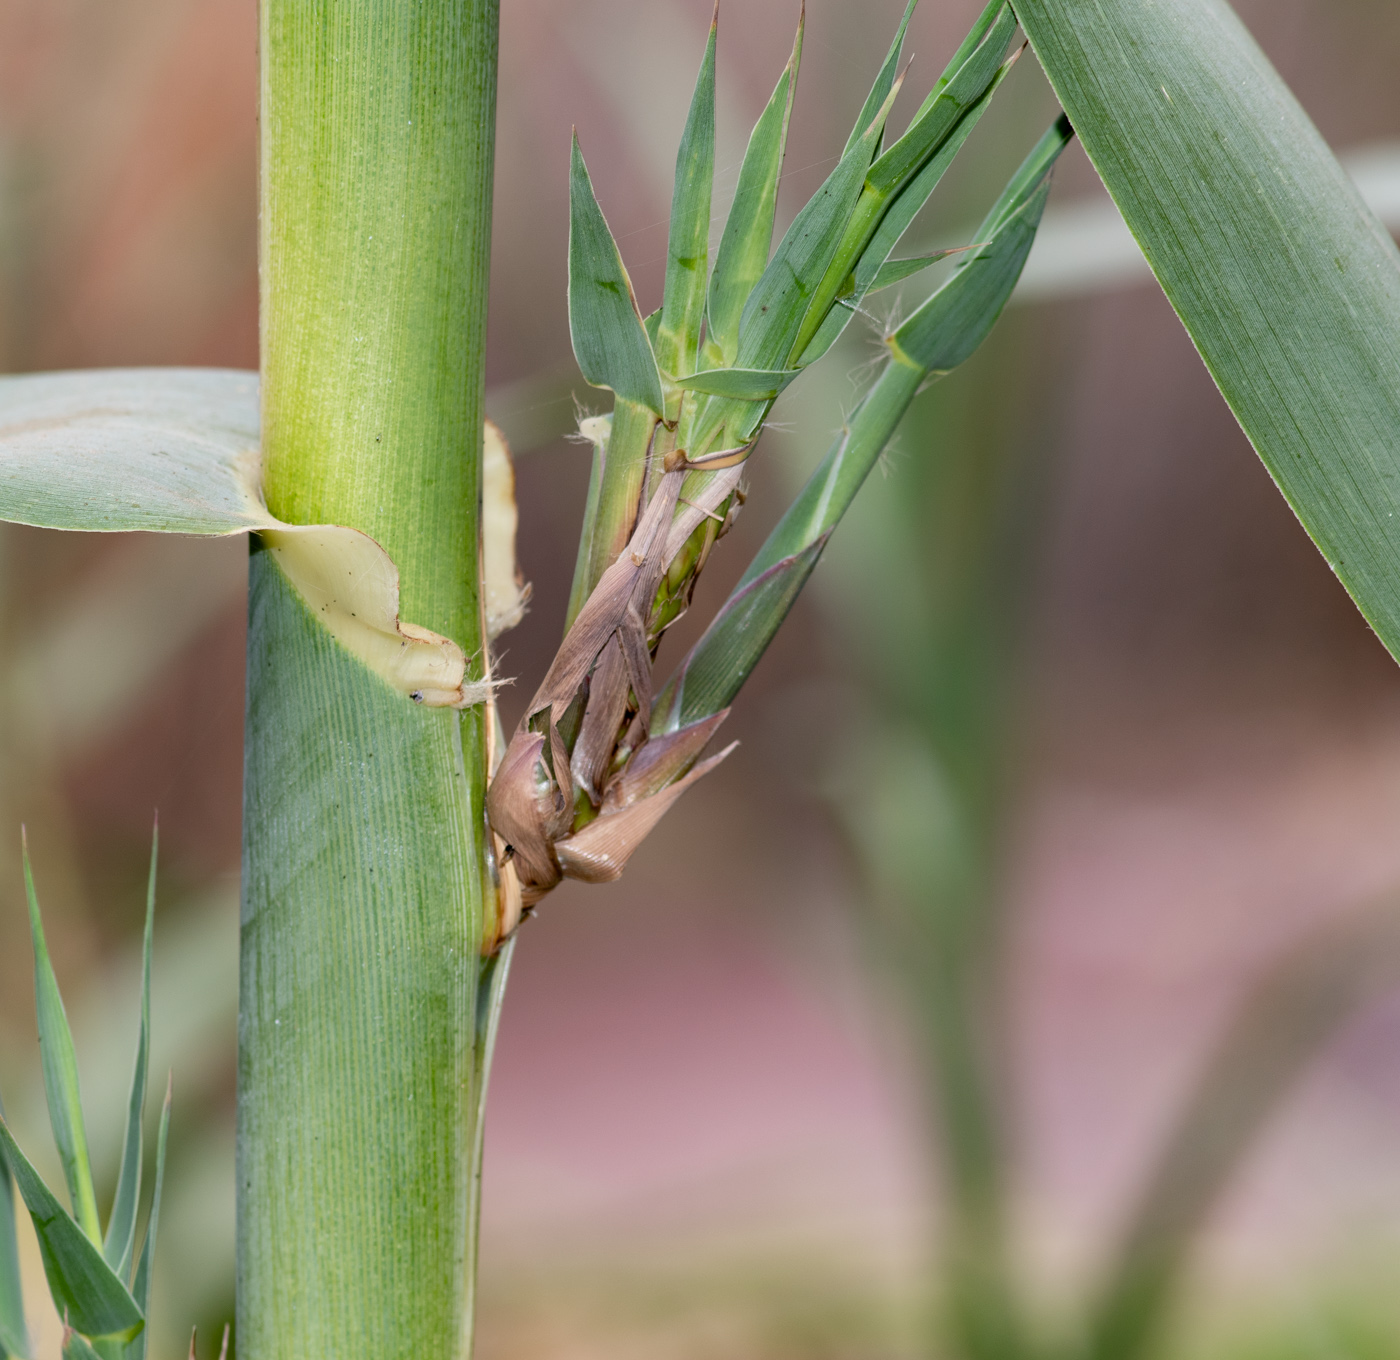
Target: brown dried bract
{"x":531,"y":801}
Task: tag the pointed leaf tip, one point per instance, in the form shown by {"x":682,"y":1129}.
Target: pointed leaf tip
{"x":60,"y":1067}
{"x":677,"y":337}
{"x":120,"y":1241}
{"x":946,"y":330}
{"x":879,"y":91}
{"x":748,"y":230}
{"x":609,"y":339}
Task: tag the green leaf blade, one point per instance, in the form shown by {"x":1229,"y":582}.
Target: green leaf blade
{"x":775,"y":309}
{"x":120,"y":1240}
{"x":719,"y":664}
{"x":687,"y":248}
{"x":942,"y":333}
{"x":84,"y":1287}
{"x":945,"y":331}
{"x":1286,"y":283}
{"x":896,"y":271}
{"x":60,"y":1066}
{"x":748,"y":230}
{"x":162,"y":449}
{"x":740,"y":384}
{"x":921,"y":155}
{"x":884,"y":82}
{"x":145,"y":1263}
{"x":773,"y":313}
{"x":610,"y":341}
{"x":14,"y":1335}
{"x":968,"y":77}
{"x":895,"y":222}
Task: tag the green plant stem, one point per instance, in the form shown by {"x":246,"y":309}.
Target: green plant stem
{"x":359,"y":1066}
{"x":619,"y":473}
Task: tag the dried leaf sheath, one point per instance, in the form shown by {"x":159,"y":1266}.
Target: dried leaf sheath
{"x":529,"y":803}
{"x":599,"y":853}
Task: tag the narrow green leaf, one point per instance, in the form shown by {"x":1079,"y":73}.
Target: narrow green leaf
{"x":619,"y":472}
{"x":687,"y":250}
{"x":945,"y":331}
{"x":743,"y":384}
{"x":120,"y":1241}
{"x":780,"y":299}
{"x":912,"y":197}
{"x":77,"y":1347}
{"x":490,"y":996}
{"x":141,"y":1284}
{"x":14,"y":1336}
{"x":719,"y":664}
{"x":896,"y":271}
{"x":829,"y":491}
{"x":884,"y":82}
{"x":962,"y":85}
{"x":1286,"y":282}
{"x":990,"y":15}
{"x":60,"y":1064}
{"x":610,"y":341}
{"x":901,"y":181}
{"x":84,"y":1287}
{"x":895,"y":222}
{"x":748,"y":230}
{"x":601,"y":431}
{"x":166,"y":449}
{"x":773,"y":313}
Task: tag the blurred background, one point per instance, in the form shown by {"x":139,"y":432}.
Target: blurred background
{"x":1073,"y":745}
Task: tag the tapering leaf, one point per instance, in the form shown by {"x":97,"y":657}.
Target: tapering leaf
{"x":141,"y":1284}
{"x":1286,"y":282}
{"x":779,"y":301}
{"x":965,"y":81}
{"x":748,"y":230}
{"x":84,"y":1287}
{"x":910,"y":200}
{"x":743,"y":384}
{"x":718,"y":665}
{"x":955,"y":320}
{"x":60,"y":1065}
{"x":940,"y":334}
{"x":866,"y":275}
{"x":991,"y":13}
{"x":120,"y":1241}
{"x":687,"y":249}
{"x":889,"y":203}
{"x":884,"y":82}
{"x":14,"y":1336}
{"x":896,"y":271}
{"x":610,"y":341}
